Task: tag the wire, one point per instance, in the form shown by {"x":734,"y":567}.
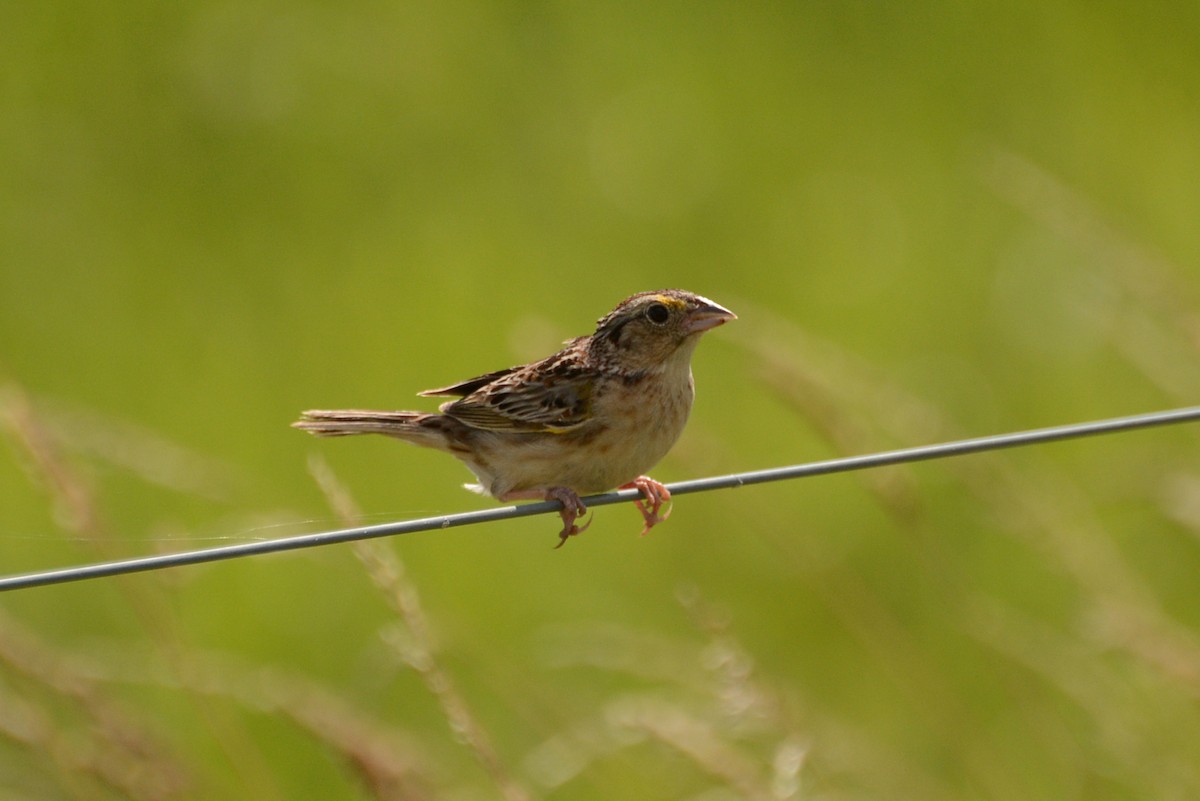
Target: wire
{"x":921,"y":453}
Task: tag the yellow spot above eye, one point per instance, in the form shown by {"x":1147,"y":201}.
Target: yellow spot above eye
{"x":669,"y":302}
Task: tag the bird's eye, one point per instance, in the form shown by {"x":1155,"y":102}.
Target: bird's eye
{"x":658,"y":314}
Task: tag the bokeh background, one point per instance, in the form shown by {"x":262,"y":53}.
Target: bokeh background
{"x":934,"y":220}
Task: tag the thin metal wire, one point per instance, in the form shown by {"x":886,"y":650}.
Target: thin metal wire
{"x":921,"y":453}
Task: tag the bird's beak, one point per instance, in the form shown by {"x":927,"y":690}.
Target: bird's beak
{"x":707,"y":315}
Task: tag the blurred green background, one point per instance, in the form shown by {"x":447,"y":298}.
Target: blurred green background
{"x":934,"y":220}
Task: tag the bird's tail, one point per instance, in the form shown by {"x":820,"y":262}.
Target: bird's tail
{"x":345,"y":422}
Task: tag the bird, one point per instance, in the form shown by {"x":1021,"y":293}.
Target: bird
{"x":596,"y":415}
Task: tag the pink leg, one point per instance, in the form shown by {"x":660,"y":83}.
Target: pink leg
{"x":656,"y":495}
{"x":572,"y":510}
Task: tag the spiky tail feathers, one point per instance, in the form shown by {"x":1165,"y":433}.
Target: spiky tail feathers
{"x":347,"y":422}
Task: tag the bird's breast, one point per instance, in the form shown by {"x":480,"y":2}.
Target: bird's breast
{"x":633,"y":428}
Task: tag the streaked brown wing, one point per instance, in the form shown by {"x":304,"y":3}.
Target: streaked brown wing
{"x":553,"y":396}
{"x":464,"y":388}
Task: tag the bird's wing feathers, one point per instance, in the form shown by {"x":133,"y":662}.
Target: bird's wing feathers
{"x":551,"y":396}
{"x":465,"y":388}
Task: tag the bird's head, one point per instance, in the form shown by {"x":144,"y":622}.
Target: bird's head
{"x":651,"y":330}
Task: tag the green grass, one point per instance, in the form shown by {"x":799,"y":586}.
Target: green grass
{"x":933,"y":220}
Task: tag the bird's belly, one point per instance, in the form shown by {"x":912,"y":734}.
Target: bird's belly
{"x":586,"y":466}
{"x":615,"y":458}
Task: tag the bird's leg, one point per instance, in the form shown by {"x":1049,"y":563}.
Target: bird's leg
{"x":572,"y":510}
{"x":656,"y":495}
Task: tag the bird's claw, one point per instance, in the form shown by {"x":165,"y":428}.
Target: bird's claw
{"x":572,"y":510}
{"x":656,"y":494}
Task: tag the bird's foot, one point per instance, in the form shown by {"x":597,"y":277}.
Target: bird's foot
{"x":656,"y":495}
{"x":572,"y":510}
